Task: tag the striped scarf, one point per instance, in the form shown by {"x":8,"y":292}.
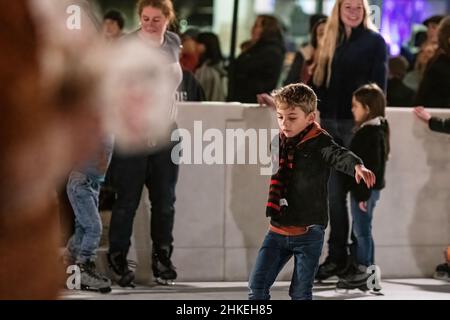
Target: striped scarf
{"x":277,"y":203}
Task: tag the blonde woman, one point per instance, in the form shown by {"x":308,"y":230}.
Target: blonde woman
{"x":352,"y":54}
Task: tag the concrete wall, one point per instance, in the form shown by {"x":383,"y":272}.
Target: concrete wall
{"x":220,"y":210}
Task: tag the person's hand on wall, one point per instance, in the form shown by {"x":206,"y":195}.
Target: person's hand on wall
{"x":265,"y":99}
{"x":422,"y":114}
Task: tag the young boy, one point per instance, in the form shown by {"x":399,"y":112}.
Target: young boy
{"x":298,"y":205}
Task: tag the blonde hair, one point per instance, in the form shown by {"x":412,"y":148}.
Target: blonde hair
{"x":297,"y":95}
{"x":327,"y":47}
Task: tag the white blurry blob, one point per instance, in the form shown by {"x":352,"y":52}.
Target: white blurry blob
{"x":137,"y":95}
{"x":68,"y":23}
{"x":137,"y":83}
{"x":56,"y":39}
{"x":42,"y":161}
{"x":133,"y":96}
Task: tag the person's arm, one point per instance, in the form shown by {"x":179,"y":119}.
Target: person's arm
{"x":347,"y":162}
{"x":434,"y":123}
{"x":439,"y":124}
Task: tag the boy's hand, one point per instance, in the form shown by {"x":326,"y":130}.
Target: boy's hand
{"x":368,"y":176}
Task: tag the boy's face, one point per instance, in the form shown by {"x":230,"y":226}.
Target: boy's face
{"x":292,"y":121}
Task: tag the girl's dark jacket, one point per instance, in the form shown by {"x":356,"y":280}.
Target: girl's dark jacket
{"x":369,"y":143}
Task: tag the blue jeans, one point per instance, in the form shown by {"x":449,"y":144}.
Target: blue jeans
{"x":362,"y":229}
{"x":276,"y":251}
{"x":83,"y":189}
{"x":341,"y":131}
{"x":83,"y":192}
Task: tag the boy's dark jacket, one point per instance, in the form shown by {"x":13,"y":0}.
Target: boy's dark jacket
{"x":369,"y":143}
{"x":307,"y":193}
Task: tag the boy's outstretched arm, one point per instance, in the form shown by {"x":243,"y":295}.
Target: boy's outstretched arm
{"x":347,"y":162}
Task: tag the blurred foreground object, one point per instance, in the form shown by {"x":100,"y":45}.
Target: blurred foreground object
{"x":62,"y":89}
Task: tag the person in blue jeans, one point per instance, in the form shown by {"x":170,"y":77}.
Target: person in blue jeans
{"x":83,"y":190}
{"x":371,"y":143}
{"x":298,"y":193}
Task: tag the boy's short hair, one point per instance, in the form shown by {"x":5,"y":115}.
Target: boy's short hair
{"x":116,"y":16}
{"x":296,"y":95}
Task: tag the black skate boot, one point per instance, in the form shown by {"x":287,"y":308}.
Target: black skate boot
{"x":359,"y":279}
{"x":163,"y":269}
{"x":91,"y":280}
{"x":442,"y":272}
{"x":119,"y":265}
{"x":330,"y":270}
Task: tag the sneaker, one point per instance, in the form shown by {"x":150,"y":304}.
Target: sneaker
{"x":119,"y":265}
{"x":163,"y":269}
{"x":91,"y":280}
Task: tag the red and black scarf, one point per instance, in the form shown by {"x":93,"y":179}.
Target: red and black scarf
{"x":277,"y":203}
